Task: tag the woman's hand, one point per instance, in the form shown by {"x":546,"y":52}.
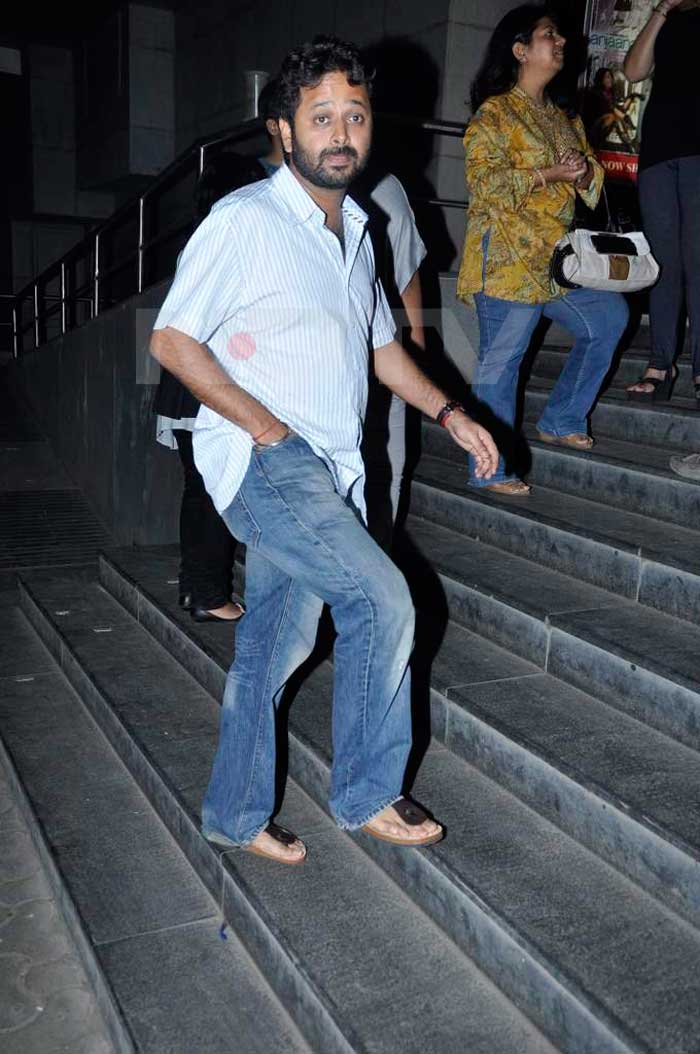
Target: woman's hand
{"x":571,"y":167}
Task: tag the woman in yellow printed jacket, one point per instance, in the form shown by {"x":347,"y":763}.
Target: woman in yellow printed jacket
{"x":526,"y":161}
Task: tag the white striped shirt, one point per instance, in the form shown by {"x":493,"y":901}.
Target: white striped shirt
{"x":265,"y":284}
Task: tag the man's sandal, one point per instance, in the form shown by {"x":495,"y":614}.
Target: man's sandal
{"x":412,"y":815}
{"x":280,"y":834}
{"x":577,"y":440}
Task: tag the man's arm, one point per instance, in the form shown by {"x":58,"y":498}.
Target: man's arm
{"x":195,"y":367}
{"x":412,"y":300}
{"x":396,"y":369}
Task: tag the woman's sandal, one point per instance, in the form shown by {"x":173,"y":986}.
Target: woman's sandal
{"x":577,"y":440}
{"x":279,"y":834}
{"x":512,"y":488}
{"x":661,"y":388}
{"x":412,"y":815}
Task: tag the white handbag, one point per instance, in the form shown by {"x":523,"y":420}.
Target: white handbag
{"x":617,"y":262}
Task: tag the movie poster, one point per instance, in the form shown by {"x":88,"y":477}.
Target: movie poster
{"x":612,"y":107}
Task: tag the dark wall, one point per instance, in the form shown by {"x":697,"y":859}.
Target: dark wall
{"x":89,"y":393}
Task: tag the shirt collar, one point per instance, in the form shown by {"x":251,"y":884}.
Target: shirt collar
{"x":300,"y":206}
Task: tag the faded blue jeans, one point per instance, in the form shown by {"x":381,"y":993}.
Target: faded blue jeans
{"x":597,"y":321}
{"x":307,"y":546}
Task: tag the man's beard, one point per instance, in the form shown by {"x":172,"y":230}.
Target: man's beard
{"x":313,"y":171}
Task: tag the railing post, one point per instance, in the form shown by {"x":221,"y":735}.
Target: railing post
{"x":63,"y":298}
{"x":36,"y":314}
{"x":96,"y":278}
{"x":142,"y":200}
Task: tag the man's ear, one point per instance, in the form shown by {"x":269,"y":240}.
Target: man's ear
{"x":286,"y":134}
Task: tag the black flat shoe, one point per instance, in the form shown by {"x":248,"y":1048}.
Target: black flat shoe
{"x":200,"y":614}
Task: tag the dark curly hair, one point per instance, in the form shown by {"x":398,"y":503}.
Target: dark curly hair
{"x":305,"y":66}
{"x":498,"y":72}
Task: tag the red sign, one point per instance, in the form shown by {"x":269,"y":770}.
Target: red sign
{"x":619,"y":166}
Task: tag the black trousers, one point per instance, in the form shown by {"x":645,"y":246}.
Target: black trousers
{"x":207,"y":547}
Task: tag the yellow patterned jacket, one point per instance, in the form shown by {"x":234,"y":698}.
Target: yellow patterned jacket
{"x":507,"y":138}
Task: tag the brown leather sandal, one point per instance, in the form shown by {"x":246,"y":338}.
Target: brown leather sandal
{"x":412,"y":815}
{"x":280,"y":834}
{"x":577,"y":440}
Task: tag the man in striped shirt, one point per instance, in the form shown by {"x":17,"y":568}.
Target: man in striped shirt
{"x":268,"y":322}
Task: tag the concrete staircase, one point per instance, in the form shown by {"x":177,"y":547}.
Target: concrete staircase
{"x":559,"y":659}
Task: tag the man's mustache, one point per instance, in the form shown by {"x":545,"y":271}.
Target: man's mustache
{"x":343,"y":151}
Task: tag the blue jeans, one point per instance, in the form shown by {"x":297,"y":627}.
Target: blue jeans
{"x":669,"y":196}
{"x":597,"y":321}
{"x":307,"y":546}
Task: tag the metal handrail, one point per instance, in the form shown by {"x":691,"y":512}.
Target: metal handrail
{"x":88,"y":250}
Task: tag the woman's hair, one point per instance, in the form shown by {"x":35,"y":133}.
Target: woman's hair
{"x":498,"y":72}
{"x":305,"y":66}
{"x":601,"y":74}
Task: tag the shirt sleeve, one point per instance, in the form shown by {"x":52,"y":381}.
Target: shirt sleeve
{"x":592,"y":194}
{"x":491,"y":175}
{"x":383,"y":328}
{"x":207,"y":287}
{"x":407,"y":248}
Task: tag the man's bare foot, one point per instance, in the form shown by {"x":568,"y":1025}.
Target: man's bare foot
{"x":390,"y":826}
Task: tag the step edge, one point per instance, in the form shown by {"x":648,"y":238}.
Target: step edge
{"x":549,"y":620}
{"x":639,"y":558}
{"x":655,"y":834}
{"x":548,"y":519}
{"x":109,"y":1009}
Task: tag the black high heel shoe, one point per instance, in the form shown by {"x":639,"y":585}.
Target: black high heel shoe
{"x":662,"y":388}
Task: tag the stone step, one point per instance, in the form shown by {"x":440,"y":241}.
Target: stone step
{"x":554,"y":925}
{"x":626,"y":791}
{"x":355,"y":964}
{"x":55,"y":994}
{"x":145,"y":917}
{"x":634,"y":556}
{"x":629,"y":367}
{"x":585,"y":635}
{"x":675,"y":424}
{"x":625,"y":475}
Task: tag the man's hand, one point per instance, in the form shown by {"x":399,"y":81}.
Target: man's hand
{"x":476,"y":441}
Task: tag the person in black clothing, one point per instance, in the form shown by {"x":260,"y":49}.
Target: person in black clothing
{"x":207,"y":548}
{"x":669,"y":185}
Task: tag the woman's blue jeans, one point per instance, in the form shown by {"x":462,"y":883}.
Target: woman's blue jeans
{"x":306,"y":547}
{"x":597,"y":321}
